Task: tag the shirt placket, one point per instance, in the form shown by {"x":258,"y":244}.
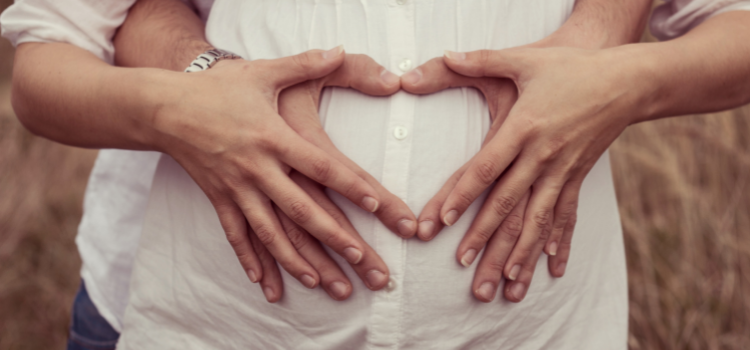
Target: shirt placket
{"x":386,"y":329}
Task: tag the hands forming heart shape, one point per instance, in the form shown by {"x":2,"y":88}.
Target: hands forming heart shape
{"x":535,"y":162}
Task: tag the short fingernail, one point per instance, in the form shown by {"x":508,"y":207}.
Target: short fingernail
{"x":370,"y":204}
{"x":514,"y":272}
{"x":388,"y":77}
{"x":450,"y":218}
{"x":561,"y":268}
{"x":407,"y":227}
{"x":353,"y":255}
{"x":457,"y":56}
{"x":412,"y":77}
{"x":333,"y":52}
{"x":270,"y":294}
{"x":308,"y":281}
{"x":425,"y":229}
{"x":486,"y":291}
{"x":468,"y":257}
{"x":252,"y":276}
{"x":375,"y":279}
{"x":553,"y":248}
{"x":339,"y":290}
{"x":517,"y":290}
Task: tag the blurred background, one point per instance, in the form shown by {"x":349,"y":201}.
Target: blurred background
{"x":682,"y":186}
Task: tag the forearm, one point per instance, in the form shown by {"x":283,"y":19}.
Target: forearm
{"x":160,"y":33}
{"x":705,"y":70}
{"x":596,"y":24}
{"x":66,"y":94}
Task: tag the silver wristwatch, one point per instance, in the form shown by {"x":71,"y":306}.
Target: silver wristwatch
{"x":209,"y":58}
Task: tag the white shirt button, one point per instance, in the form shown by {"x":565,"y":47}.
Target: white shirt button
{"x":401,"y":2}
{"x":400,"y":133}
{"x":405,"y":65}
{"x":391,"y":285}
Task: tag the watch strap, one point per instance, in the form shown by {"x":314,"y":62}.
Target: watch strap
{"x":209,"y":58}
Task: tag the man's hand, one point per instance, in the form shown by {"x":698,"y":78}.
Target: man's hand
{"x":298,"y":105}
{"x":223,"y":127}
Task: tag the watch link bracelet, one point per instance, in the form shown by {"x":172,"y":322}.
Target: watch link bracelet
{"x":209,"y":58}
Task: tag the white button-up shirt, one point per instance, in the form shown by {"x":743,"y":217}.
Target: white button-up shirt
{"x":427,"y":303}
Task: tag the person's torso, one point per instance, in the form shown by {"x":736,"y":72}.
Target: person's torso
{"x":189,"y":291}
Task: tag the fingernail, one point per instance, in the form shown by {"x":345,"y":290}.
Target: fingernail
{"x":468,"y":257}
{"x":270,"y":295}
{"x":412,"y":77}
{"x":514,"y":272}
{"x":486,"y":291}
{"x":553,"y":248}
{"x":561,"y":268}
{"x":517,"y":290}
{"x":338,"y":289}
{"x":308,"y":281}
{"x":352,"y":255}
{"x":370,"y":204}
{"x":406,"y":227}
{"x":425,"y":229}
{"x":334,"y":52}
{"x":375,"y":279}
{"x":450,"y":218}
{"x":456,"y":56}
{"x":252,"y":276}
{"x":388,"y":77}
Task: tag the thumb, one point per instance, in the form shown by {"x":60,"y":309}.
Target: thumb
{"x":308,"y":65}
{"x":434,"y":75}
{"x":508,"y":63}
{"x":362,"y":73}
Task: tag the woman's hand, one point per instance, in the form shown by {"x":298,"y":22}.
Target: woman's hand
{"x":298,"y":105}
{"x":224,"y":128}
{"x":572,"y":104}
{"x":500,"y":95}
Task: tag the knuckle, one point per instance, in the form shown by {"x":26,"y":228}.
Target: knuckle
{"x":552,"y":149}
{"x":483,"y":234}
{"x":503,"y":205}
{"x":485,"y":172}
{"x":297,"y":237}
{"x":541,"y":219}
{"x":496,"y":264}
{"x":266,"y":235}
{"x":511,"y":228}
{"x":304,"y":61}
{"x":485,"y":56}
{"x":545,"y":233}
{"x":299,"y":212}
{"x":465,"y":199}
{"x":235,"y":239}
{"x":322,"y":169}
{"x":333,"y":239}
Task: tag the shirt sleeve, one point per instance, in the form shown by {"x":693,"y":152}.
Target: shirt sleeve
{"x":677,"y":17}
{"x":88,"y":24}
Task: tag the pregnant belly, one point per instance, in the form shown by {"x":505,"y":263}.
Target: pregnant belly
{"x":189,"y":291}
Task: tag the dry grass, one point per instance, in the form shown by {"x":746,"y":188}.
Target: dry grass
{"x":683,"y":186}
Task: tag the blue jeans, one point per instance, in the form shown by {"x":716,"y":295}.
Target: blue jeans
{"x":88,"y":329}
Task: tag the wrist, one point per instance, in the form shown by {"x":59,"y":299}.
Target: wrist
{"x":638,"y":78}
{"x":162,"y":94}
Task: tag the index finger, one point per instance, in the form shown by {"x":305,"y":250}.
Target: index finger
{"x":485,"y":168}
{"x":326,"y":170}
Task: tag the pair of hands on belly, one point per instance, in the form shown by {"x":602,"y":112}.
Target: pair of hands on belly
{"x":272,"y":205}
